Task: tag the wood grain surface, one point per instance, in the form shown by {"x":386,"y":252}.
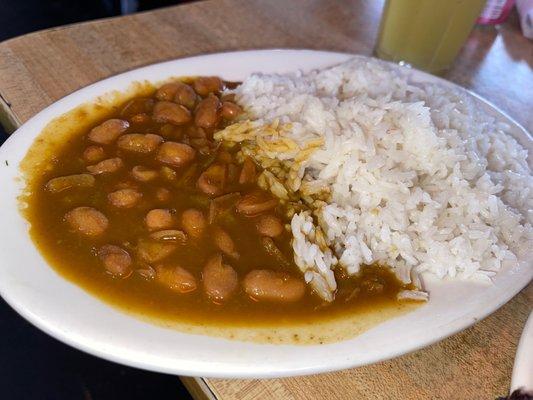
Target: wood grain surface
{"x":37,"y":69}
{"x":474,"y":364}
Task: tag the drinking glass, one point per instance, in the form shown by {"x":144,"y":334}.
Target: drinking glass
{"x":426,"y":34}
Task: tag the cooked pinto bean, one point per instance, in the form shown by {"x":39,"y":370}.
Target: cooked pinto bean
{"x":176,"y":278}
{"x":269,"y":225}
{"x":229,"y":111}
{"x":256,"y":203}
{"x":139,"y":143}
{"x":220,"y":281}
{"x":159,"y":218}
{"x":168,"y":173}
{"x":267,"y":285}
{"x":165,"y":111}
{"x":153,"y":251}
{"x":108,"y":131}
{"x":141,"y":118}
{"x":87,"y":221}
{"x":124,"y":198}
{"x":143,"y":174}
{"x":206,"y":114}
{"x":167,"y":91}
{"x":193,"y":222}
{"x":116,"y":260}
{"x":176,"y":154}
{"x":248,"y":172}
{"x":170,"y":235}
{"x":93,"y":154}
{"x":213,"y":180}
{"x":171,"y":132}
{"x":185,"y":96}
{"x":224,"y":242}
{"x":106,"y":166}
{"x":56,"y":185}
{"x":162,"y":194}
{"x":207,"y":84}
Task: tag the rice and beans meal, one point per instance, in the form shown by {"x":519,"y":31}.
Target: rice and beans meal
{"x":284,"y":197}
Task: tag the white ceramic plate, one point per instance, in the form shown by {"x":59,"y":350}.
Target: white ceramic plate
{"x":68,"y":313}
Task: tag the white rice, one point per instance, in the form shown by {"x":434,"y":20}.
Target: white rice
{"x":414,"y":175}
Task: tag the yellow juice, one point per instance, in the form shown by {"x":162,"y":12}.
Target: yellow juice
{"x":426,"y":34}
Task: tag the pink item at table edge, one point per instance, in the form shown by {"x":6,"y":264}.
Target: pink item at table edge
{"x":495,"y":12}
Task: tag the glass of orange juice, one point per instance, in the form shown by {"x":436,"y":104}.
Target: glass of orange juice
{"x":426,"y":34}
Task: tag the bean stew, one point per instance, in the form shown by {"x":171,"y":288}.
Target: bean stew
{"x":148,"y":212}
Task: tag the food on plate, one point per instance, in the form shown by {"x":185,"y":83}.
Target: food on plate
{"x":287,"y":198}
{"x":147,"y":209}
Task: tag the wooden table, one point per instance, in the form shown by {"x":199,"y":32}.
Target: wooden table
{"x":37,"y":69}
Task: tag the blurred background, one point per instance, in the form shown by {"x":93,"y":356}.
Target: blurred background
{"x":20,"y":17}
{"x":35,"y":366}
